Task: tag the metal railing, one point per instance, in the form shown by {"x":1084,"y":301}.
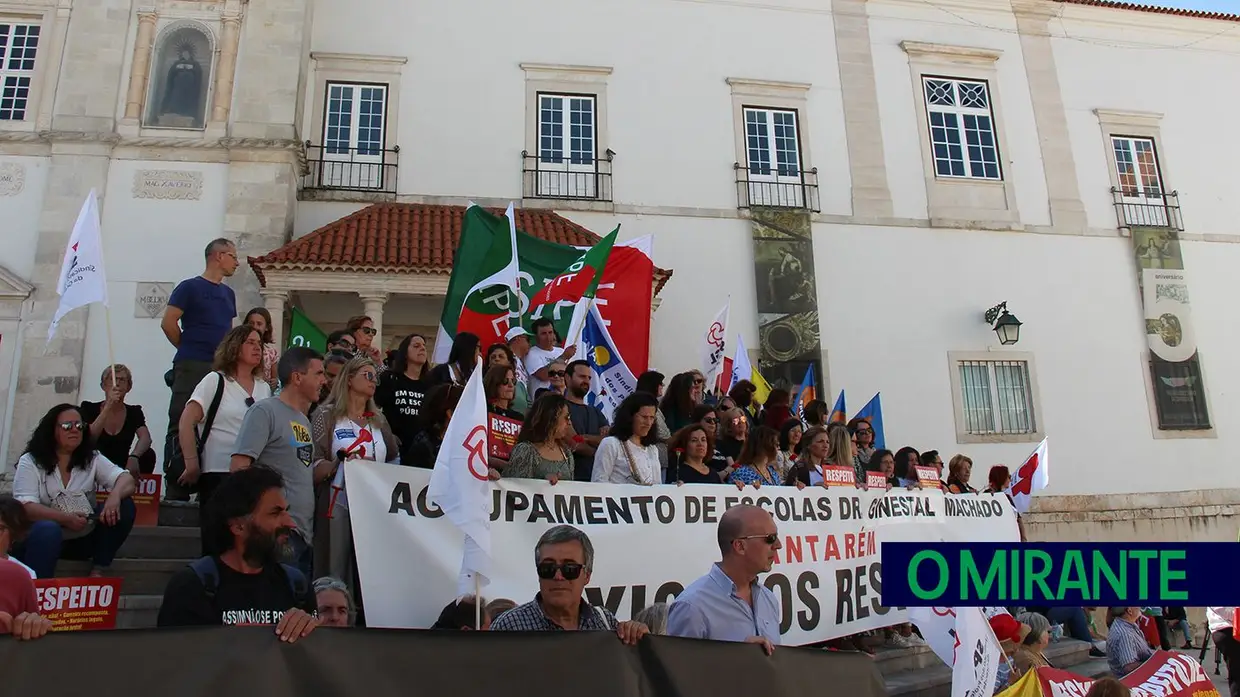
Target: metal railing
{"x":773,"y":187}
{"x":567,"y":178}
{"x":1146,"y":209}
{"x":335,"y":168}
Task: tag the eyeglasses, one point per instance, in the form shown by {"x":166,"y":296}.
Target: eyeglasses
{"x":556,"y":373}
{"x":509,"y":382}
{"x":547,"y":569}
{"x":699,"y":381}
{"x":864,"y":430}
{"x":369,"y":331}
{"x":769,"y":539}
{"x":72,"y":425}
{"x":369,"y":376}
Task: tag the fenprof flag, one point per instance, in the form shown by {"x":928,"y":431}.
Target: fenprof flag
{"x":82,"y":280}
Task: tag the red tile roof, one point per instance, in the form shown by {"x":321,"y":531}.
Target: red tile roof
{"x":1114,"y":4}
{"x":408,"y":238}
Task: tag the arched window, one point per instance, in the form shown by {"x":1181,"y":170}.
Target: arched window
{"x":180,"y":77}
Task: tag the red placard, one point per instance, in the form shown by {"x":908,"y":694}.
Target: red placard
{"x":145,"y":499}
{"x":839,"y":475}
{"x":78,"y":604}
{"x":928,"y":477}
{"x":502,"y":435}
{"x":876,"y":480}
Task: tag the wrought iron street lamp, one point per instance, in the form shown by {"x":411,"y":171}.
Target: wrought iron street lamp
{"x":1005,"y":324}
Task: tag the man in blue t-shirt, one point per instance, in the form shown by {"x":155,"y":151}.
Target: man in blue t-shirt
{"x":200,"y":312}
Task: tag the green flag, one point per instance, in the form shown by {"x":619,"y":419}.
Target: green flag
{"x":303,"y":332}
{"x":580,"y":279}
{"x":492,"y":296}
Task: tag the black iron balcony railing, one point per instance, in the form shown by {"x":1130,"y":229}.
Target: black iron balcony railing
{"x":1147,"y":209}
{"x":337,"y":168}
{"x":572,"y":177}
{"x":775,"y":187}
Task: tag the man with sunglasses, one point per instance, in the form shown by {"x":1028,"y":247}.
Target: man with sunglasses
{"x":342,"y":343}
{"x":564,"y":560}
{"x":729,"y":604}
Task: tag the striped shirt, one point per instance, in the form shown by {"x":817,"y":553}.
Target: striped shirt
{"x":530,"y":617}
{"x":1126,"y":645}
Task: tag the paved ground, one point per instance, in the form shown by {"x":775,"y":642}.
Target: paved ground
{"x":1220,"y":680}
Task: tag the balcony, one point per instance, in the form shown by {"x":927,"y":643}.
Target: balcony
{"x":573,"y":178}
{"x":766,"y":187}
{"x":1147,"y":209}
{"x":365,"y":169}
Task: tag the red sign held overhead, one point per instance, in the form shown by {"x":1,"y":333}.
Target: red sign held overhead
{"x":78,"y":604}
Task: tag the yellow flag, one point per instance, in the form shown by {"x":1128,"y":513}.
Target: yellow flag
{"x":763,"y":387}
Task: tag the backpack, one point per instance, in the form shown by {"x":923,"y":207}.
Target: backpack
{"x":208,"y":572}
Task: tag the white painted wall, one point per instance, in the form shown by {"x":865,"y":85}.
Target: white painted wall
{"x":19,"y":216}
{"x":148,"y":240}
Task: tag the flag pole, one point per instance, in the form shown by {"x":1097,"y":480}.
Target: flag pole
{"x":107,"y":321}
{"x":477,"y":603}
{"x":581,"y":326}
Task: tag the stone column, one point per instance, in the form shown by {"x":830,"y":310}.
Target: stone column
{"x":224,"y":72}
{"x":274,"y":301}
{"x":372,"y":307}
{"x":143,"y":46}
{"x":871,"y":194}
{"x":1050,"y":117}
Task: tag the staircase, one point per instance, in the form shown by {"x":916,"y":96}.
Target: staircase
{"x":917,"y":672}
{"x":148,"y":559}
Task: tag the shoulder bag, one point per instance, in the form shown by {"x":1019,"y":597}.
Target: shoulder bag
{"x":637,"y":477}
{"x":176,"y":465}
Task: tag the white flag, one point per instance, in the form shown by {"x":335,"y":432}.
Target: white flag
{"x":962,"y":638}
{"x":1030,"y":477}
{"x":714,"y":342}
{"x":82,"y":281}
{"x":742,"y":369}
{"x":459,"y":484}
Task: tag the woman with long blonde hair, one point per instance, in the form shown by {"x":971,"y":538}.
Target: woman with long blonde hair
{"x":348,"y":426}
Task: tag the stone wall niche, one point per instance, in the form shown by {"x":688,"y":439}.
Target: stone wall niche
{"x":180,"y":78}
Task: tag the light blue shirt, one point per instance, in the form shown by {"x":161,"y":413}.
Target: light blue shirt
{"x":710,"y":609}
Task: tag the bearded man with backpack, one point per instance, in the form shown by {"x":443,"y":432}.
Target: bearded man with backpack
{"x":245,"y":584}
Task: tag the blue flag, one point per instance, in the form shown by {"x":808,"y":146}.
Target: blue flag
{"x":612,"y":380}
{"x":806,"y":393}
{"x":839,"y":412}
{"x":873,"y":412}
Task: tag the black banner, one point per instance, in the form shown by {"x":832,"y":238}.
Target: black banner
{"x":235,"y":661}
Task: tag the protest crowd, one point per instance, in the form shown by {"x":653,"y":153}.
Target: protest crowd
{"x":263,"y":436}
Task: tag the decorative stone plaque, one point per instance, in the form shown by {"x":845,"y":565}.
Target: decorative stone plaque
{"x":151,"y":299}
{"x":168,"y":185}
{"x":12,"y":178}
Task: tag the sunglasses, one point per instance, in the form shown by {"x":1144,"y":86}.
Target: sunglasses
{"x":369,"y":331}
{"x":72,"y":425}
{"x":864,"y":430}
{"x":769,"y":539}
{"x":570,"y":570}
{"x":369,"y":376}
{"x":509,"y":382}
{"x":699,"y":381}
{"x":710,"y":421}
{"x":556,"y":373}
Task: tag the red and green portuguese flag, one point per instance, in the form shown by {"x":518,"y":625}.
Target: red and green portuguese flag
{"x":484,"y":285}
{"x":577,"y":283}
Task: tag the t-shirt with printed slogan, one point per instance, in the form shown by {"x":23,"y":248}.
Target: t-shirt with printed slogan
{"x":278,"y":436}
{"x":240,"y":599}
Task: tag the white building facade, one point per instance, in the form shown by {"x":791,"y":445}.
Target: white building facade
{"x":946,"y":156}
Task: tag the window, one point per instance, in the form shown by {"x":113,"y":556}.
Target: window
{"x":567,"y":142}
{"x":1141,"y":198}
{"x":962,"y":131}
{"x":353,"y":135}
{"x":773,"y":158}
{"x":18,"y":45}
{"x":996,"y":397}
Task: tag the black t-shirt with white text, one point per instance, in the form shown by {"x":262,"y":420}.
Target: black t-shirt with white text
{"x":240,"y":599}
{"x":400,"y":398}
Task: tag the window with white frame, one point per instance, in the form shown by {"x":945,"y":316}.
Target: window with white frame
{"x":354,"y":122}
{"x":773,"y":154}
{"x":567,"y":146}
{"x":18,"y":45}
{"x":996,"y":398}
{"x":1141,"y":199}
{"x":962,"y":128}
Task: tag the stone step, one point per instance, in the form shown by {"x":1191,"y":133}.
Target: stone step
{"x":141,"y":576}
{"x":178,"y":514}
{"x":162,"y":543}
{"x":893,"y":660}
{"x":138,"y":611}
{"x":936,"y":679}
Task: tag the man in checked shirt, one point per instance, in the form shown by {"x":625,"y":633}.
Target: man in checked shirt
{"x":564,"y":560}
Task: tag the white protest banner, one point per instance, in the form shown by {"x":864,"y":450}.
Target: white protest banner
{"x":651,"y":542}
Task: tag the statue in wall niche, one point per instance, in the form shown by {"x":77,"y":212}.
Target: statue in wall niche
{"x":182,"y":98}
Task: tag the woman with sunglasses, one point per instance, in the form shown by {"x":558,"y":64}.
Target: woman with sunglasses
{"x":238,"y":366}
{"x":348,"y":426}
{"x":735,"y":431}
{"x":362,"y":329}
{"x":499,"y":384}
{"x":56,"y":481}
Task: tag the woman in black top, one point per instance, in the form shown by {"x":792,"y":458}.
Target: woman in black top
{"x":437,"y":412}
{"x":114,"y":425}
{"x":403,"y":388}
{"x":709,"y":418}
{"x":461,"y":361}
{"x":692,"y":448}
